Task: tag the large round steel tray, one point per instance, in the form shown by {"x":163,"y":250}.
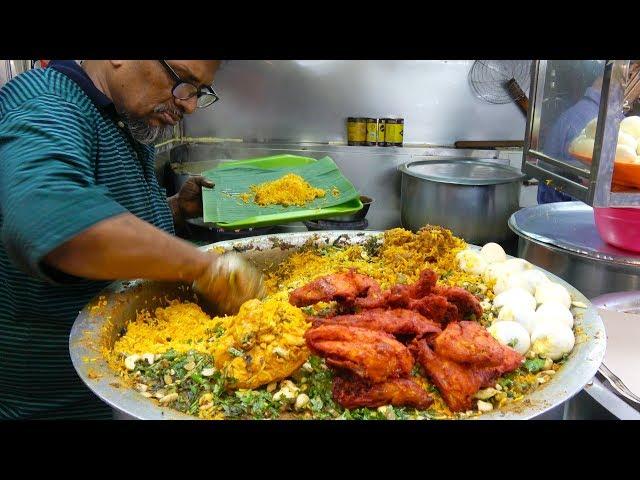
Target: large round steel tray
{"x":100,"y":322}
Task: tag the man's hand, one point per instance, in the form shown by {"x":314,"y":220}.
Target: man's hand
{"x":228,"y":282}
{"x":187,"y":203}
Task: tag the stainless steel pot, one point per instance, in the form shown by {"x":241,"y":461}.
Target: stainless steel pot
{"x":562,"y":238}
{"x":472,"y":198}
{"x":99,"y":323}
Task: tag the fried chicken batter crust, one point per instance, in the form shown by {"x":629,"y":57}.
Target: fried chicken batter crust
{"x":370,"y":354}
{"x":397,"y":321}
{"x":469,"y":342}
{"x":343,"y":287}
{"x":355,"y":393}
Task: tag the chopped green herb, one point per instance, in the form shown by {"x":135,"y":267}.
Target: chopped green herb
{"x":505,"y":382}
{"x":235,"y":352}
{"x":316,"y":404}
{"x":534,"y":365}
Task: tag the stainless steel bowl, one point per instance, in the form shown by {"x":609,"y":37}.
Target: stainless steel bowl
{"x":472,"y":198}
{"x":355,"y":217}
{"x":98,"y":326}
{"x":562,"y":238}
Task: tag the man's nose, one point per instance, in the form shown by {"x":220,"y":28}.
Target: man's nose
{"x":189,"y":105}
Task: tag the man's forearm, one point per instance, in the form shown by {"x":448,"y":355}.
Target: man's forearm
{"x":125,"y":247}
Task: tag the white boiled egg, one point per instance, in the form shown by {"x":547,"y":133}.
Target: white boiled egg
{"x":506,"y":276}
{"x":631,"y":126}
{"x":493,"y":253}
{"x":514,"y":265}
{"x":552,"y":339}
{"x":625,"y":154}
{"x":511,"y":334}
{"x":494,"y":271}
{"x":515,"y":297}
{"x":582,"y":147}
{"x":471,"y":261}
{"x":527,"y":280}
{"x":555,"y":312}
{"x":590,"y":129}
{"x":525,"y":317}
{"x":518,"y":280}
{"x":503,"y":283}
{"x":628,"y":140}
{"x":534,"y":278}
{"x":553,"y":292}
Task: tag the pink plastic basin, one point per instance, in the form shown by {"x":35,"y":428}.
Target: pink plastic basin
{"x":619,"y":227}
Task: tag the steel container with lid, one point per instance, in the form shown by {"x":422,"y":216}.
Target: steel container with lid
{"x":562,"y":238}
{"x":474,"y":198}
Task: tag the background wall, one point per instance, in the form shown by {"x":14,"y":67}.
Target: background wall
{"x":309,"y":100}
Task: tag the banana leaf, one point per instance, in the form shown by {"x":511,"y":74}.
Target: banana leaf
{"x":223,"y":206}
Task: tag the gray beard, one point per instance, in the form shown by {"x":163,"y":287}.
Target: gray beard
{"x":144,"y":133}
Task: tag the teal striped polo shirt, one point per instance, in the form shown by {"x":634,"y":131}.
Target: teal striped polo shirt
{"x":65,"y":164}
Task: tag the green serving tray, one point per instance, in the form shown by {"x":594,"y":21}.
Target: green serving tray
{"x":273,"y":162}
{"x":277,"y":162}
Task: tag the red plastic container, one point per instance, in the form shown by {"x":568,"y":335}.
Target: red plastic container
{"x":619,"y":227}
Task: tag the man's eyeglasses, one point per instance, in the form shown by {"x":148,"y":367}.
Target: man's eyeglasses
{"x":184,"y":90}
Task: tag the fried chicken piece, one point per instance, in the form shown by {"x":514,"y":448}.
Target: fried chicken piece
{"x":343,"y":287}
{"x":435,"y":307}
{"x":469,"y":342}
{"x":511,"y":361}
{"x":425,"y":284}
{"x":351,"y":289}
{"x":425,"y":297}
{"x":457,"y":383}
{"x":372,"y":300}
{"x":465,"y":301}
{"x":355,"y":393}
{"x":396,"y":297}
{"x":397,"y":321}
{"x":370,"y":354}
{"x":399,"y":296}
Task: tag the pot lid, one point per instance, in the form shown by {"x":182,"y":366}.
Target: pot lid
{"x":569,"y":226}
{"x":462,"y":171}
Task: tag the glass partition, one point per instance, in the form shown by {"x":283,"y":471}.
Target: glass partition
{"x":583,"y":130}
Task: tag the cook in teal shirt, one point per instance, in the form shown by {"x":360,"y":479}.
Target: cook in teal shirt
{"x":80,"y":206}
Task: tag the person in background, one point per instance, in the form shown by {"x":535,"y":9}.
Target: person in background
{"x":80,"y":206}
{"x":569,"y":126}
{"x":565,"y":129}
